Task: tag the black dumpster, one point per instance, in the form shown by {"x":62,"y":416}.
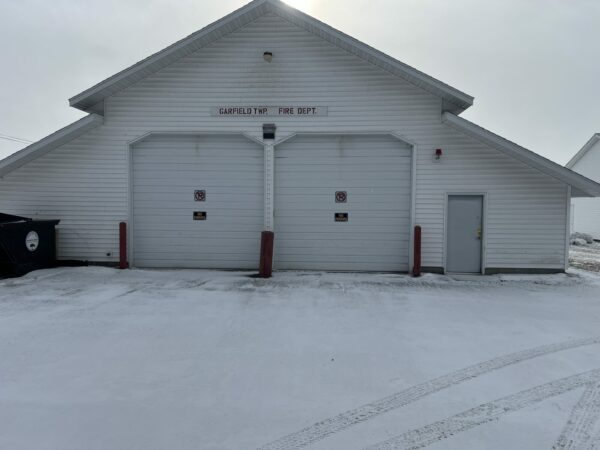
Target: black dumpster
{"x":26,"y":244}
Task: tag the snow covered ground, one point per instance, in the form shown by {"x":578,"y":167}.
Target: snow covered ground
{"x":94,"y":358}
{"x":585,"y":257}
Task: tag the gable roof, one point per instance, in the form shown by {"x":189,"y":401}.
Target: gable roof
{"x":581,"y":153}
{"x":582,"y":186}
{"x":92,"y":99}
{"x":49,"y":143}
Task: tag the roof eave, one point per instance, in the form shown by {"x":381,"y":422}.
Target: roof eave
{"x":582,"y":186}
{"x":581,"y":153}
{"x":49,"y":143}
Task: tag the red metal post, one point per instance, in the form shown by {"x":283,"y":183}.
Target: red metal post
{"x":417,"y":254}
{"x":265,"y":269}
{"x":123,"y":264}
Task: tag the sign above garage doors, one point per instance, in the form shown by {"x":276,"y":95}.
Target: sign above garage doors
{"x":269,"y":111}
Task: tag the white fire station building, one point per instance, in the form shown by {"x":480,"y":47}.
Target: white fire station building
{"x":270,"y":120}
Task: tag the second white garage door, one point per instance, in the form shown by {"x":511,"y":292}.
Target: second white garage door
{"x":373,"y":173}
{"x":167,"y":172}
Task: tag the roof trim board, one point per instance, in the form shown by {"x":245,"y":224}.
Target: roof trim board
{"x":582,"y":186}
{"x":91,"y":100}
{"x":49,"y":143}
{"x":581,"y":153}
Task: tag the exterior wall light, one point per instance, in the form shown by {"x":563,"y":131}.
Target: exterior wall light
{"x":438,"y":153}
{"x":269,"y":131}
{"x":268,"y":56}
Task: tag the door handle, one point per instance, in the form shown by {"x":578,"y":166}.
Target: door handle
{"x":479,"y":233}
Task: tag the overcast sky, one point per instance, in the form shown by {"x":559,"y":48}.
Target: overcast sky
{"x":532,"y":65}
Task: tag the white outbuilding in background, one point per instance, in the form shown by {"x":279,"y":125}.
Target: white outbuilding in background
{"x":586,"y":211}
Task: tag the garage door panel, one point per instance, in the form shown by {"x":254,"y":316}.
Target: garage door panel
{"x":198,"y":156}
{"x":375,"y":171}
{"x":351,"y":169}
{"x":315,"y":194}
{"x":236,"y":232}
{"x":372,"y":248}
{"x":166,"y":172}
{"x":351,"y":150}
{"x":365,"y":206}
{"x":323,"y":216}
{"x":299,"y":185}
{"x":314,"y":230}
{"x":207,"y":169}
{"x":237,"y":181}
{"x":190,"y":262}
{"x":178,"y":207}
{"x":224,"y":193}
{"x":309,"y":235}
{"x":331,"y":239}
{"x":217,"y":214}
{"x":342,"y":263}
{"x":208,"y":251}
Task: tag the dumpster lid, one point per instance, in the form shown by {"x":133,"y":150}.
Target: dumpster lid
{"x":7,"y":218}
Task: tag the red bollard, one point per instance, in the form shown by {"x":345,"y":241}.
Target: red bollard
{"x":417,"y":254}
{"x":265,"y":268}
{"x":123,"y":264}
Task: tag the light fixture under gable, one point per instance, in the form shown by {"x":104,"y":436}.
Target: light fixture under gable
{"x":268,"y":56}
{"x":269,"y":131}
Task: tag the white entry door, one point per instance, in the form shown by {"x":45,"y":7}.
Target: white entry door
{"x":464,"y":234}
{"x":342,"y":203}
{"x":197,"y":202}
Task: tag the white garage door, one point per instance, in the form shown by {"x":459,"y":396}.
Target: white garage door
{"x":167,"y":172}
{"x":373,"y":173}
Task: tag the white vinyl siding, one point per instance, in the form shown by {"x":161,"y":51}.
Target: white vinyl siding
{"x":167,"y":170}
{"x":82,"y":183}
{"x":526,"y":211}
{"x":586,"y":216}
{"x":85,"y":183}
{"x":589,"y":164}
{"x":586,"y":211}
{"x":375,"y":173}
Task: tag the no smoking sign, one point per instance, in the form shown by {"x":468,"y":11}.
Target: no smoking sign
{"x":200,"y":196}
{"x":341,"y":197}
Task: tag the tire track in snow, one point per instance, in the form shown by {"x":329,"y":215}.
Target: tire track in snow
{"x":332,"y":425}
{"x":484,"y":413}
{"x":595,"y":444}
{"x":577,"y":433}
